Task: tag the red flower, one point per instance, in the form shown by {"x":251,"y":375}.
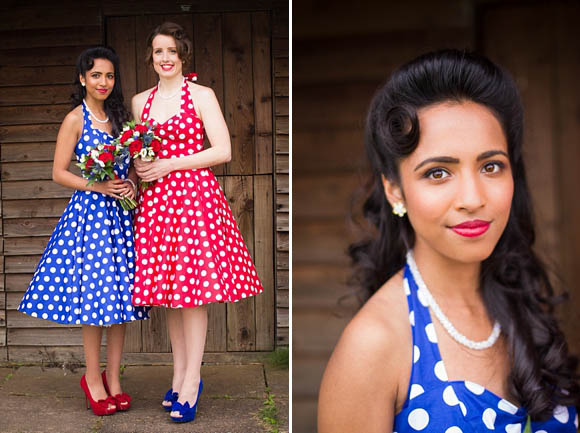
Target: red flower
{"x":126,"y":135}
{"x":110,"y":149}
{"x":135,"y":147}
{"x":105,"y":157}
{"x":156,"y":146}
{"x":156,"y":131}
{"x":141,"y":129}
{"x":90,"y":163}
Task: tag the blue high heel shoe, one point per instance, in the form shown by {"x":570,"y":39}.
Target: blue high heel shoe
{"x":171,"y":397}
{"x":187,"y":413}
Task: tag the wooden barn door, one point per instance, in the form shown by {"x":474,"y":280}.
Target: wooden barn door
{"x":232,"y":55}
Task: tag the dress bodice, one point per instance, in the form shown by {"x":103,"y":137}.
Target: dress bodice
{"x":435,"y":404}
{"x":182,"y":134}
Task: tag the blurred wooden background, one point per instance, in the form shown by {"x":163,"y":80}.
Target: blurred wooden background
{"x":341,"y":54}
{"x":241,"y":50}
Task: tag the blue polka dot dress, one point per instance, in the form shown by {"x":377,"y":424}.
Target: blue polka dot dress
{"x":435,"y":404}
{"x":85,"y":275}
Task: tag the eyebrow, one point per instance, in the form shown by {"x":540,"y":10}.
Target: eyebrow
{"x":452,"y":160}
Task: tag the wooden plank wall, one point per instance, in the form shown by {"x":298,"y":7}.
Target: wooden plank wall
{"x":36,"y":69}
{"x":280,"y":58}
{"x":338,"y":64}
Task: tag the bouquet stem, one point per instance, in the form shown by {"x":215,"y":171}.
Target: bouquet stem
{"x":127,"y":203}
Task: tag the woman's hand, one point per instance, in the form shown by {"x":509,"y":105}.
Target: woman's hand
{"x":129,"y":190}
{"x":114,"y":188}
{"x":151,"y":171}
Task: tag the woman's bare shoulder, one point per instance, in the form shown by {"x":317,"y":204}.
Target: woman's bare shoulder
{"x":383,"y":318}
{"x":140,"y":98}
{"x":74,"y":118}
{"x":199,"y":91}
{"x":367,"y":364}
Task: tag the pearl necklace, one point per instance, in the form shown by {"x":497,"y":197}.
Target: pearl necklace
{"x":95,"y":117}
{"x":455,"y":334}
{"x":167,"y":97}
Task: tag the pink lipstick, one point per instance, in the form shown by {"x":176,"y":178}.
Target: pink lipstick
{"x":103,"y":91}
{"x":471,"y":229}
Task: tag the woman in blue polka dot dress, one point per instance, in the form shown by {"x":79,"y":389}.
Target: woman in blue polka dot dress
{"x":457,"y":334}
{"x":85,"y":276}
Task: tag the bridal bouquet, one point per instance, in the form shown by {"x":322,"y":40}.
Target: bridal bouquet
{"x":98,"y":165}
{"x":142,"y":141}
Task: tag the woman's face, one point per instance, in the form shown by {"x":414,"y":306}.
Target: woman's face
{"x":166,"y":61}
{"x":457,"y":185}
{"x":99,"y":80}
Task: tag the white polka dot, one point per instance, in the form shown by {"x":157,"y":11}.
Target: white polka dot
{"x":415,"y":391}
{"x":561,"y":414}
{"x":412,"y":318}
{"x":440,"y":371}
{"x":430,"y":331}
{"x":449,"y":396}
{"x":506,"y":406}
{"x":474,"y":387}
{"x":406,"y":287}
{"x":418,"y":419}
{"x":422,"y":297}
{"x":454,"y":429}
{"x":489,"y":417}
{"x":416,"y":354}
{"x":513,"y":428}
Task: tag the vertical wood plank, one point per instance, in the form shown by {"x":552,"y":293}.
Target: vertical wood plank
{"x":209,"y":59}
{"x":146,"y":76}
{"x":239,"y":97}
{"x":264,"y":260}
{"x":241,"y":315}
{"x":262,"y":70}
{"x":155,"y":333}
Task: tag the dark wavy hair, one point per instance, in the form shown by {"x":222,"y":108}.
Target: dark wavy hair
{"x":514,"y":283}
{"x":114,"y":104}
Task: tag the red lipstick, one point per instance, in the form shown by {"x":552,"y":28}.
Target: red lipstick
{"x":471,"y":229}
{"x":103,"y":91}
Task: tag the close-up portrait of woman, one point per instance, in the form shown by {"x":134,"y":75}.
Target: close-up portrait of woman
{"x":457,"y":333}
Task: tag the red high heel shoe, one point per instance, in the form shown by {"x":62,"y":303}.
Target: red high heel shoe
{"x":100,"y":407}
{"x":122,"y":401}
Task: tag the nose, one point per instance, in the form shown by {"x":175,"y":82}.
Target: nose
{"x":471,"y":194}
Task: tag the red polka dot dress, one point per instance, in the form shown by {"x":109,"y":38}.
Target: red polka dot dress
{"x":189,"y":250}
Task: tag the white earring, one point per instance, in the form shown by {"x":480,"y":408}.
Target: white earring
{"x":82,"y":84}
{"x":399,"y":209}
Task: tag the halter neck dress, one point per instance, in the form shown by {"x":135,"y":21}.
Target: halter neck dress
{"x":435,"y":404}
{"x":189,"y":248}
{"x":85,"y":275}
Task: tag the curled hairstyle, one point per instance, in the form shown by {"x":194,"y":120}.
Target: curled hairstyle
{"x":514,"y":283}
{"x":182,"y":41}
{"x":114,"y":104}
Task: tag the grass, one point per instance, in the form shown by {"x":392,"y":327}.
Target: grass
{"x":279,"y":358}
{"x":269,"y":413}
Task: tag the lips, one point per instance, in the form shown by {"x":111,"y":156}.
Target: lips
{"x":167,"y":67}
{"x":102,"y":91}
{"x":471,"y":229}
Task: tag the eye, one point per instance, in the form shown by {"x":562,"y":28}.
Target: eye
{"x":493,"y":167}
{"x":437,"y":174}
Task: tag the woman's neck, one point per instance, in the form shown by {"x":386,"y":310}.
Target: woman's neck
{"x":95,"y":106}
{"x":170,"y":85}
{"x":455,"y":281}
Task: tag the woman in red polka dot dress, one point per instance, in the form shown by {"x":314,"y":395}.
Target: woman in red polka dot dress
{"x":189,"y":251}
